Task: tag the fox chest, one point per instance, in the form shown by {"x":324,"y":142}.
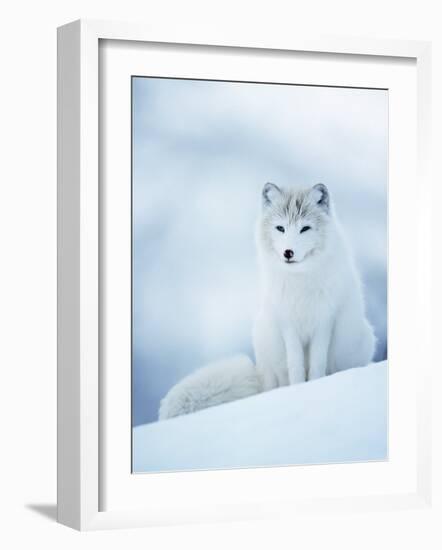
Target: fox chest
{"x":303,"y":309}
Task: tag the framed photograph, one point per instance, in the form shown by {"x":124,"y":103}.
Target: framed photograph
{"x":235,"y":250}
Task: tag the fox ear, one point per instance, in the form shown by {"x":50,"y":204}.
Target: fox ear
{"x":270,"y":193}
{"x":321,"y":196}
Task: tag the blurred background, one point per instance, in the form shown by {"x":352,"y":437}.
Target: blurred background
{"x":201,"y":153}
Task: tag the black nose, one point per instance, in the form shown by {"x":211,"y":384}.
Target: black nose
{"x":289,"y":254}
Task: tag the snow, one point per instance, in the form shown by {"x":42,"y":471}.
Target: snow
{"x":338,"y":418}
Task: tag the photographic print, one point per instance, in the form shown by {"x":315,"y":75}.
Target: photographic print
{"x":259,"y":274}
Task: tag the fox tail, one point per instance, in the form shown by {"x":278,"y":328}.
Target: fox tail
{"x":214,"y":384}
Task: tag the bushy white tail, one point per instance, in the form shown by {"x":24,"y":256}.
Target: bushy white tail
{"x":216,"y":383}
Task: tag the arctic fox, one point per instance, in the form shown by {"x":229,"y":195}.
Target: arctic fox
{"x":311,"y":320}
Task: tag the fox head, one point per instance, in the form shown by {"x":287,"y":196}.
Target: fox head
{"x":294,"y":223}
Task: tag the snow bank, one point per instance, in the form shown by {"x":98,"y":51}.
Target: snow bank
{"x":339,"y":418}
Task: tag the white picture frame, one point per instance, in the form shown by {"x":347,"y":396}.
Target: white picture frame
{"x":80,"y":391}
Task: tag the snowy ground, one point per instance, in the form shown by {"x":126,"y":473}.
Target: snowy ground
{"x":339,"y":418}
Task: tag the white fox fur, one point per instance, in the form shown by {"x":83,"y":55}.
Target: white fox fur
{"x":311,"y":319}
{"x":216,"y":383}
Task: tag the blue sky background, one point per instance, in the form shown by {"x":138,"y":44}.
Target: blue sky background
{"x":201,"y":153}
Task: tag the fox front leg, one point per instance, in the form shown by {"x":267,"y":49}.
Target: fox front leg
{"x":295,"y":358}
{"x":318,"y":355}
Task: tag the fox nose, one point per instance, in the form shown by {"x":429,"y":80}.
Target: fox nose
{"x":288,"y":254}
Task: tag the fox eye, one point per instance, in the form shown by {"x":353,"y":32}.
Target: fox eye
{"x":305,"y":228}
{"x":280,"y":228}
